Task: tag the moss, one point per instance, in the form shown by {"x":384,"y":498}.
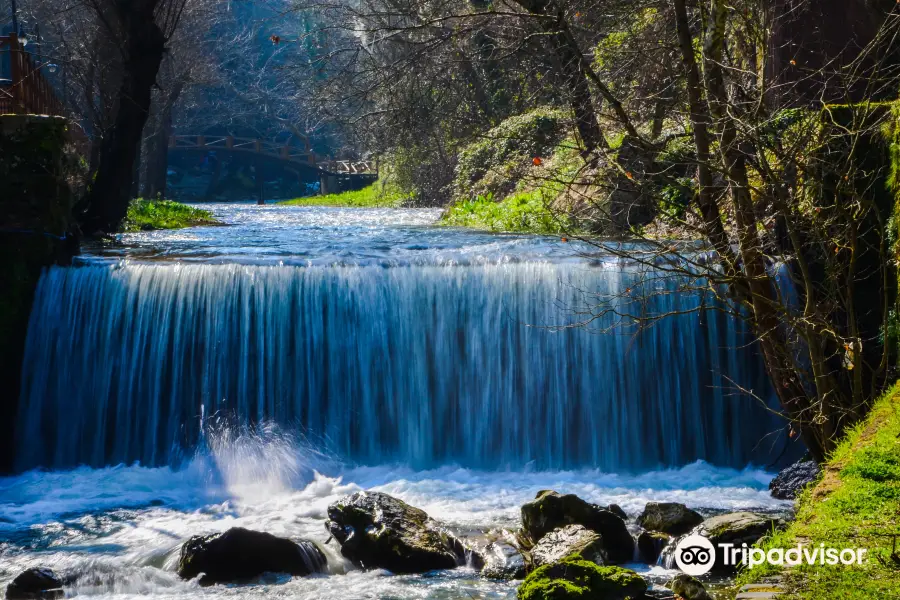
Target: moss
{"x":147,"y":215}
{"x":496,"y":162}
{"x":377,"y":195}
{"x":573,"y":577}
{"x":855,"y":505}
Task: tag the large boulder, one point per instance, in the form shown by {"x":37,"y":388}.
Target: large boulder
{"x":503,"y":561}
{"x":568,"y":540}
{"x":37,"y":582}
{"x":688,"y":588}
{"x":788,"y":484}
{"x":669,"y":517}
{"x":574,"y":578}
{"x":240,"y":554}
{"x":551,"y":510}
{"x":377,"y":531}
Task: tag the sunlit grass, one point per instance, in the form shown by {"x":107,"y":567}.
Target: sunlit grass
{"x":147,"y":215}
{"x":373,"y":196}
{"x":856,"y":505}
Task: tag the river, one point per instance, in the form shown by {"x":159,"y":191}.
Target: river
{"x":184,"y":382}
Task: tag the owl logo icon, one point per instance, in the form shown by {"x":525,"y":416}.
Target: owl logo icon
{"x":695,"y":555}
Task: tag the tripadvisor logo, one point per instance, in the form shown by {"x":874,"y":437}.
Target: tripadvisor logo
{"x":696,"y":555}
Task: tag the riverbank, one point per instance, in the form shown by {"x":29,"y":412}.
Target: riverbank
{"x":149,"y":215}
{"x":376,"y":195}
{"x":856,"y":504}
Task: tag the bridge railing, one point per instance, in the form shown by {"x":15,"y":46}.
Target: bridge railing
{"x":24,"y":89}
{"x":256,"y":146}
{"x":351,"y":167}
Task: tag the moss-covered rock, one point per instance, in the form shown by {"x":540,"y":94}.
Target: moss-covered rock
{"x":575,"y":578}
{"x":568,"y":540}
{"x":551,"y":510}
{"x":688,"y":588}
{"x":377,"y":531}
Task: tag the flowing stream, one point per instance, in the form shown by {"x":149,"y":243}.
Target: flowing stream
{"x":185,"y":382}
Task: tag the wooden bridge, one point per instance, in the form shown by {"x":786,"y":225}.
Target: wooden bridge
{"x":23,"y":87}
{"x":301,"y":156}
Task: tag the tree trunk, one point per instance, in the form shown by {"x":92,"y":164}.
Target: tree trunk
{"x":144,"y":47}
{"x":571,"y":58}
{"x":158,"y":148}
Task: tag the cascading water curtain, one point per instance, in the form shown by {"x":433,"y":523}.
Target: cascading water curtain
{"x":416,"y":365}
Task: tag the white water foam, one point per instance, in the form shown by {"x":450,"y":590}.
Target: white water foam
{"x":119,"y":528}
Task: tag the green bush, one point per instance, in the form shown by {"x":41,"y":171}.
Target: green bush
{"x":494,"y":163}
{"x":524,"y":212}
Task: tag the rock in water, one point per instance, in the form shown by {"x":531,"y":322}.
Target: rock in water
{"x":650,"y":545}
{"x":788,"y":484}
{"x":689,"y":588}
{"x":36,"y":582}
{"x":240,"y":554}
{"x":571,"y":539}
{"x":669,"y":517}
{"x":551,"y":510}
{"x":731,"y":528}
{"x":377,"y":531}
{"x":578,"y":579}
{"x":503,"y":561}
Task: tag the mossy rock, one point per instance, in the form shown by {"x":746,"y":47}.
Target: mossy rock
{"x":378,"y":531}
{"x":576,"y":578}
{"x":551,"y":510}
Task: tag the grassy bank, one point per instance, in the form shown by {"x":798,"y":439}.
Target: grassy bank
{"x":523,"y":212}
{"x":373,"y":196}
{"x":855,"y":505}
{"x":147,"y":215}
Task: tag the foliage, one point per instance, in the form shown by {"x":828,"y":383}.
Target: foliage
{"x":147,"y":215}
{"x":493,"y":163}
{"x":522,"y":212}
{"x":855,"y":505}
{"x":376,"y":195}
{"x":573,"y":577}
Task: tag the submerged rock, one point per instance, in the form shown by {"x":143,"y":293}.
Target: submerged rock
{"x":568,"y":540}
{"x":378,"y":531}
{"x":37,"y":582}
{"x":551,"y":510}
{"x":788,"y":484}
{"x":669,"y":517}
{"x":688,"y":588}
{"x":503,"y":561}
{"x":581,"y":579}
{"x":650,"y":545}
{"x":240,"y":554}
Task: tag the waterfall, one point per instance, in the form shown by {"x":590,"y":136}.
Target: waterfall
{"x":417,"y":365}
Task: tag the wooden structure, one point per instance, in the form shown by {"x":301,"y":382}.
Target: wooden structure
{"x":293,"y":154}
{"x":26,"y":91}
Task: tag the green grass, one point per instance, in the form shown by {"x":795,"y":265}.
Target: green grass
{"x":522,"y":212}
{"x":147,"y":215}
{"x":373,"y":196}
{"x":855,"y":505}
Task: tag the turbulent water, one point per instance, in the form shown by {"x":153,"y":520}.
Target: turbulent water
{"x":252,"y":374}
